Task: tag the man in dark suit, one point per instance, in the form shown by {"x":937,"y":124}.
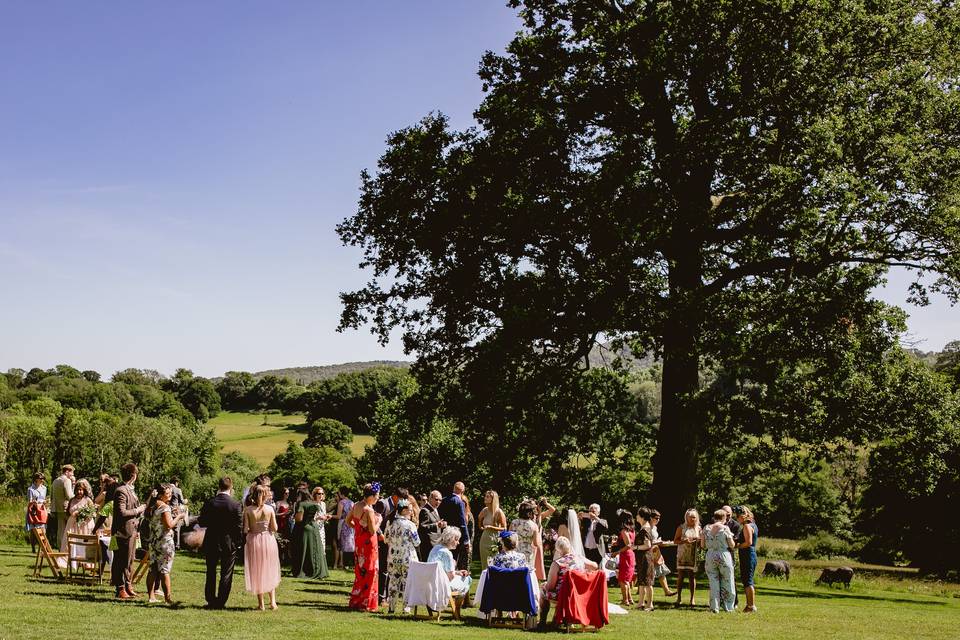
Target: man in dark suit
{"x":430,"y":525}
{"x":126,"y":519}
{"x":223,"y":518}
{"x":454,"y":513}
{"x":592,"y":530}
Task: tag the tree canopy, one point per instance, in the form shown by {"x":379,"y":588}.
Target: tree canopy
{"x":703,"y":180}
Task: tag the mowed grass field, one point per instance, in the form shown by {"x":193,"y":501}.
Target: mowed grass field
{"x":263,"y":436}
{"x":871,"y":608}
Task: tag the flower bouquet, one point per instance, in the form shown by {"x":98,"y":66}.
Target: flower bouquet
{"x":549,"y":540}
{"x":86,"y":512}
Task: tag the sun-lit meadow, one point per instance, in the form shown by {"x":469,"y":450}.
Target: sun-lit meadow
{"x":263,"y":436}
{"x":872,"y":607}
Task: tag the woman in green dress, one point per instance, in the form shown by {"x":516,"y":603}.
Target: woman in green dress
{"x":310,"y":559}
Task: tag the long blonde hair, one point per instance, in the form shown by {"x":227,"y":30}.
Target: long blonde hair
{"x":494,"y":501}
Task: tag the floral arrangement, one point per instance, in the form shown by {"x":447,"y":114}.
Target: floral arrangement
{"x":86,"y":512}
{"x":549,"y":540}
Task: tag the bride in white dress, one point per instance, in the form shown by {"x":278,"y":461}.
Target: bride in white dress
{"x":576,"y":542}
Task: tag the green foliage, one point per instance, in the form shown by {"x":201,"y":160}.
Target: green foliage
{"x":324,"y":466}
{"x":823,"y":546}
{"x":413,"y":449}
{"x":327,"y":432}
{"x":352,"y":397}
{"x":914,"y":475}
{"x":147,"y":377}
{"x":234,"y":388}
{"x":675,"y":174}
{"x":197,"y":394}
{"x":948,"y":363}
{"x":240,"y":468}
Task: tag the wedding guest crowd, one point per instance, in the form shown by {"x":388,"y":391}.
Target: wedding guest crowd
{"x":380,"y":535}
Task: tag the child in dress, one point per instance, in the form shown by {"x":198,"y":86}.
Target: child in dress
{"x":627,"y":562}
{"x":660,"y":569}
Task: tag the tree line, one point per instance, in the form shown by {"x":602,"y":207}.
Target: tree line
{"x":591,"y":439}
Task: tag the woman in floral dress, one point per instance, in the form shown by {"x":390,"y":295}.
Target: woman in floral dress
{"x":162,"y":547}
{"x":717,"y":539}
{"x":365,"y":522}
{"x":508,"y":557}
{"x":528,"y":536}
{"x":403,"y":541}
{"x":345,"y":535}
{"x":687,"y":539}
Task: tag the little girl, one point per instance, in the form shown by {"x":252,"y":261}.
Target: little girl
{"x":627,"y":560}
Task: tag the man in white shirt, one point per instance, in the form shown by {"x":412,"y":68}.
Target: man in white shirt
{"x":592,"y":529}
{"x":61,"y":492}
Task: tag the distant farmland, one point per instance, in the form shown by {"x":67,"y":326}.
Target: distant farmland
{"x":247,"y":433}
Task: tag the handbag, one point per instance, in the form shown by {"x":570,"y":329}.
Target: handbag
{"x":36,"y":514}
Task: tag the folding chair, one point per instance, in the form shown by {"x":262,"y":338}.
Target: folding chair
{"x":54,"y":559}
{"x":83,"y":557}
{"x":142,"y":567}
{"x":508,"y":591}
{"x":582,"y":602}
{"x":428,"y":586}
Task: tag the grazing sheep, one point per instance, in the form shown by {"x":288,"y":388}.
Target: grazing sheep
{"x":831,"y":575}
{"x":777,"y":569}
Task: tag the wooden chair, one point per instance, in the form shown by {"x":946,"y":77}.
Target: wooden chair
{"x":142,"y":568}
{"x":429,"y":572}
{"x":53,"y":558}
{"x":83,"y":557}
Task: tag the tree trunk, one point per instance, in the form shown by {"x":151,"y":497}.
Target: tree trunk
{"x":675,"y":480}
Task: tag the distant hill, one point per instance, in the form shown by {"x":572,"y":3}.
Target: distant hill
{"x":306,"y":375}
{"x":603,"y":355}
{"x":600,"y":356}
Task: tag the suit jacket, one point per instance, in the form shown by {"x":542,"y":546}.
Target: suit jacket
{"x":429,"y":529}
{"x":223,"y":518}
{"x":599,"y":530}
{"x":126,"y":512}
{"x":452,"y":510}
{"x":61,"y":493}
{"x":388,"y":508}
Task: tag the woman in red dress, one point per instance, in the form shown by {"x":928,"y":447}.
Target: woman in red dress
{"x":365,"y":522}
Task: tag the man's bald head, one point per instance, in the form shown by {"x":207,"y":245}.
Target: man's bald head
{"x":458,"y":488}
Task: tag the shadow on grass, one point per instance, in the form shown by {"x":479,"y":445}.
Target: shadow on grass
{"x":790,"y":593}
{"x":334,"y":592}
{"x":326,"y":606}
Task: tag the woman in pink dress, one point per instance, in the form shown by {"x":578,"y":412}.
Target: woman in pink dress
{"x":261,"y":555}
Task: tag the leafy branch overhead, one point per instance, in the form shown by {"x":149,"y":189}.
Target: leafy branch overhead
{"x":702,"y":179}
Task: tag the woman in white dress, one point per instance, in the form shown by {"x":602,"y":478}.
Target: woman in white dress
{"x":76,"y":522}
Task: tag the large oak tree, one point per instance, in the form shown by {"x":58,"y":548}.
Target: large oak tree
{"x":724,"y":180}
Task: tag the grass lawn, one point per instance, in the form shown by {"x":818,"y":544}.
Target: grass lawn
{"x":797,"y":609}
{"x":263,"y":436}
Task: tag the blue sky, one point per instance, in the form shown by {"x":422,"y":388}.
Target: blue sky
{"x":171,"y":173}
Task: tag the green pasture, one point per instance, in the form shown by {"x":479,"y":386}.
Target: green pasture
{"x":875,"y":605}
{"x":263,"y":436}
